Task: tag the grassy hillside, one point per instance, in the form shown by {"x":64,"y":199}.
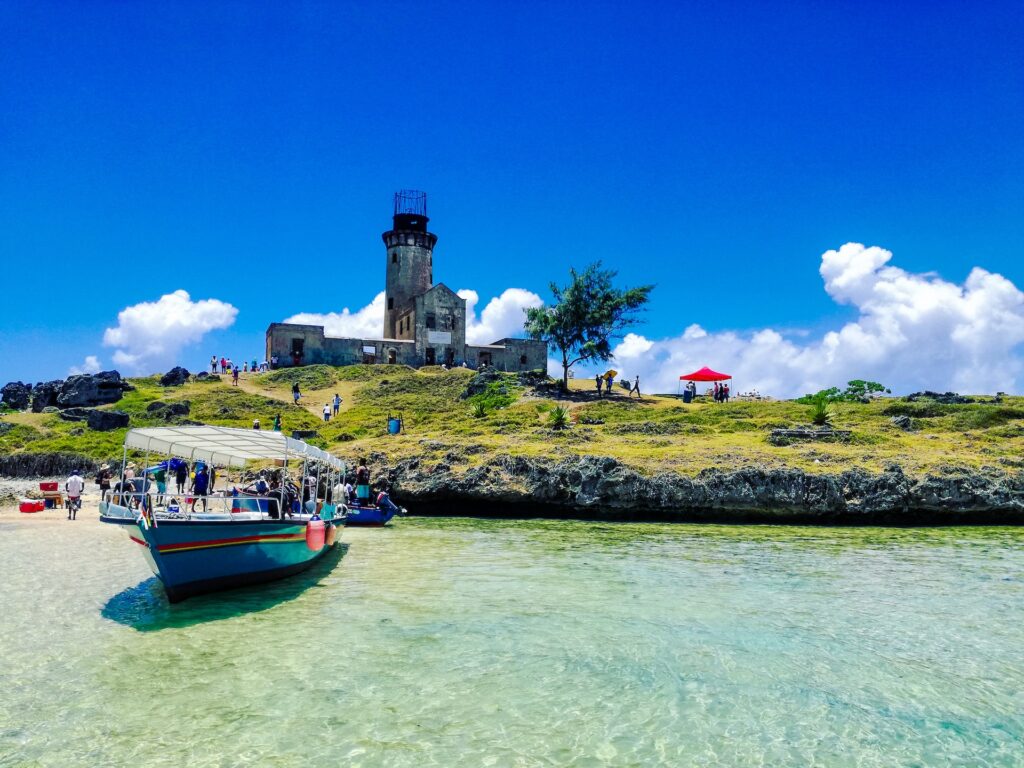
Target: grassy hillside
{"x":659,"y":433}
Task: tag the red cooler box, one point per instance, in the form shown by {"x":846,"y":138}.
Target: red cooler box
{"x":30,"y":505}
{"x":52,"y":487}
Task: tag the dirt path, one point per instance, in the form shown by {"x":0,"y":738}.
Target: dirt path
{"x":312,"y":400}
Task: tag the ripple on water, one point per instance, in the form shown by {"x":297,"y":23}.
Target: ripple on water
{"x":469,"y":642}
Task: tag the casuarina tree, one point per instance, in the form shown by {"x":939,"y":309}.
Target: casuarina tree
{"x":588,"y":314}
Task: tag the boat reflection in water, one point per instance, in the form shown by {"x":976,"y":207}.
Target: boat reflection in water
{"x":238,"y":538}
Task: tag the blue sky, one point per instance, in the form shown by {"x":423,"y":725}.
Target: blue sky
{"x":248,"y":153}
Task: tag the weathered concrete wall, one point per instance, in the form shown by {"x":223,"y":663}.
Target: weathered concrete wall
{"x":440,"y":325}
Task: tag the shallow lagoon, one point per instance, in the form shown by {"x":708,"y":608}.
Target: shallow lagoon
{"x":473,"y":642}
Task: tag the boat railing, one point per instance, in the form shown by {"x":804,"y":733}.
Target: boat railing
{"x":129,"y":505}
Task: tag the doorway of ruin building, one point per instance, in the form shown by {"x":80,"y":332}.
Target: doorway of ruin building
{"x":392,"y":357}
{"x":449,"y":358}
{"x":431,"y":356}
{"x":485,"y":358}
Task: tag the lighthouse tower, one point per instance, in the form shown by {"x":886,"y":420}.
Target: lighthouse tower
{"x":410,"y":264}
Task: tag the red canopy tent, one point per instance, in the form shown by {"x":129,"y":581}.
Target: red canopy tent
{"x":704,"y":374}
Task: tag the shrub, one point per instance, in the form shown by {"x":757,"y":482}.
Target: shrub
{"x":558,"y":417}
{"x":478,"y":410}
{"x":822,"y":412}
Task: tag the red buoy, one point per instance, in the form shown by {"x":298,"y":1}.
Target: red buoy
{"x":332,"y":534}
{"x":315,"y":534}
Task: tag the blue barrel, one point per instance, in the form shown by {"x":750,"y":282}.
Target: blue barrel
{"x":394,"y":425}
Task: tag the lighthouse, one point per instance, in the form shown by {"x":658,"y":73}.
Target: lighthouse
{"x":410,"y":257}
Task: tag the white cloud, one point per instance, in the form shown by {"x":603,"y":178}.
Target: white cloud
{"x":150,"y":335}
{"x":91,"y":364}
{"x":913,"y":331}
{"x":503,"y":316}
{"x":366,"y":323}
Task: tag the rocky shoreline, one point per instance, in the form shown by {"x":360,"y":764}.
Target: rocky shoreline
{"x":603,"y":488}
{"x":591,"y":487}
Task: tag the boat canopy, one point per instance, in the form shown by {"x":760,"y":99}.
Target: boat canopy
{"x":227,"y":446}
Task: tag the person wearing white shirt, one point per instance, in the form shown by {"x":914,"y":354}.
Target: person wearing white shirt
{"x":74,"y":487}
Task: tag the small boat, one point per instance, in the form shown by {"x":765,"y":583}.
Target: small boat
{"x":238,"y":539}
{"x":368,"y":515}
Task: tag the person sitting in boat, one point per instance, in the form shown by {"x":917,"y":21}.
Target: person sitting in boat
{"x":384,"y":501}
{"x":200,"y":485}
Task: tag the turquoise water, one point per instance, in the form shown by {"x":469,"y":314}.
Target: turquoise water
{"x":499,"y":643}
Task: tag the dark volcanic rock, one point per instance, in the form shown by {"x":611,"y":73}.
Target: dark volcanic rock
{"x":46,"y":464}
{"x":89,"y":389}
{"x":104,"y":421}
{"x":45,"y":394}
{"x":169,"y":411}
{"x":76,"y":414}
{"x":591,"y":486}
{"x":903,"y":422}
{"x":946,"y":398}
{"x":478,"y":384}
{"x":175,"y":377}
{"x":304,"y":434}
{"x":16,"y":395}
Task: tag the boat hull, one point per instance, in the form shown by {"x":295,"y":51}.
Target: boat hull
{"x":368,"y":516}
{"x":192,"y":557}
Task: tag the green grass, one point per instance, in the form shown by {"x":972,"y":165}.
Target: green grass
{"x":654,"y":435}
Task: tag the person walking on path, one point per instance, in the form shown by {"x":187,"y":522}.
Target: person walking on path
{"x":327,"y":412}
{"x":223,"y":365}
{"x":234,"y":376}
{"x":337,"y":403}
{"x":74,"y":487}
{"x":598,"y":381}
{"x":295,"y":392}
{"x":636,"y":389}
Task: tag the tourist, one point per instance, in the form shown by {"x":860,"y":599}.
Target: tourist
{"x":273,"y":361}
{"x":181,"y":475}
{"x":337,"y":403}
{"x":384,"y":501}
{"x":234,"y":376}
{"x":160,"y":476}
{"x":725,"y":393}
{"x":74,"y":487}
{"x":327,"y":412}
{"x":295,"y":392}
{"x":277,"y":423}
{"x":200,"y":486}
{"x":245,"y":367}
{"x":362,"y":482}
{"x":253,"y":369}
{"x":212,"y":471}
{"x":715,"y":396}
{"x":129,"y":471}
{"x":103,"y":480}
{"x":256,"y":424}
{"x":213,"y":364}
{"x":598,"y":381}
{"x":636,"y":388}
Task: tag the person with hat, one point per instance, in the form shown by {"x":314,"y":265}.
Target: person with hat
{"x":103,"y":480}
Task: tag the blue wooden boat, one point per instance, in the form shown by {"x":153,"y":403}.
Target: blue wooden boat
{"x":238,"y":540}
{"x":368,"y":515}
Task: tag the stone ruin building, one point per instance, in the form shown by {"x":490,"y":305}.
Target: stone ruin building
{"x":424,"y":323}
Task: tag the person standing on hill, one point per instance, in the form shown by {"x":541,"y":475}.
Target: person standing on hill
{"x":327,"y":412}
{"x":234,"y":376}
{"x":598,"y":381}
{"x":295,"y":392}
{"x":636,"y":389}
{"x":337,"y":403}
{"x":213,"y":364}
{"x":223,"y":365}
{"x":725,"y":393}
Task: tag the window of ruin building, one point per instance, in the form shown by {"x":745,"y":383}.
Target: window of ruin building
{"x":522,"y":359}
{"x":431,"y":321}
{"x":391,"y":303}
{"x":394,"y":257}
{"x":431,"y":356}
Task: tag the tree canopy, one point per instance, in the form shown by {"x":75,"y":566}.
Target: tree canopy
{"x":588,"y":314}
{"x":857,"y":391}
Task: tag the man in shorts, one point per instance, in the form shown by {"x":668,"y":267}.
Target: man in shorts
{"x":74,"y":487}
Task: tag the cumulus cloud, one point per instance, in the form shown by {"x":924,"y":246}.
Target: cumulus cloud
{"x":150,"y":335}
{"x":912,"y":331}
{"x":91,"y":364}
{"x":365,"y":323}
{"x":503,"y":316}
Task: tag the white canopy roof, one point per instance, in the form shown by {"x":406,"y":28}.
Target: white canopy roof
{"x":224,"y":445}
